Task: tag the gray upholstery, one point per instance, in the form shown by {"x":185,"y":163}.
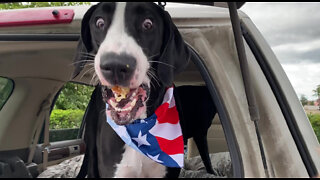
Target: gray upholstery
{"x":194,"y":167}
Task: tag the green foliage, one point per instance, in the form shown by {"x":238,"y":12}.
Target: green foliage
{"x":63,"y":134}
{"x":20,"y":5}
{"x":73,"y":99}
{"x":315,"y":122}
{"x":6,"y":86}
{"x":67,"y":115}
{"x":74,"y":96}
{"x":303,"y":100}
{"x":62,"y":119}
{"x":316,"y":92}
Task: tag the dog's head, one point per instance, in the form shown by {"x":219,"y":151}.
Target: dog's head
{"x":135,"y":45}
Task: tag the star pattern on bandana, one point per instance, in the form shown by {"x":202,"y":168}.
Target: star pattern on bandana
{"x":155,"y":158}
{"x":158,"y":136}
{"x":141,"y":140}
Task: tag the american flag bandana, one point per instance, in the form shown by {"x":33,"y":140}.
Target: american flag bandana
{"x":159,"y":136}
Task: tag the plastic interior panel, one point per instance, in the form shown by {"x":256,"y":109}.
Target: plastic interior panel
{"x":35,"y":17}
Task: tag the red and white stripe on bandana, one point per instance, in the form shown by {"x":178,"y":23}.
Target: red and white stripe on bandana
{"x":159,"y":136}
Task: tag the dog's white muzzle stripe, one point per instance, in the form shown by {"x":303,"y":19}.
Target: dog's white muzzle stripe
{"x":118,"y":41}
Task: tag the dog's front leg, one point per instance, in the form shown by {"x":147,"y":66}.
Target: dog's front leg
{"x":134,"y":165}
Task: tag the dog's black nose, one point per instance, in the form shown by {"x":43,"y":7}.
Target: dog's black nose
{"x":117,"y":69}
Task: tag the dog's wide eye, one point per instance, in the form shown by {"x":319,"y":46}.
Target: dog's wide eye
{"x":100,"y":23}
{"x":147,"y":24}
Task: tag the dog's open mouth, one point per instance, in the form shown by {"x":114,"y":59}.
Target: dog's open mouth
{"x":124,"y":104}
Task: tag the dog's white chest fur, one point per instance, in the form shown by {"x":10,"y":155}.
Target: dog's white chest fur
{"x":135,"y":165}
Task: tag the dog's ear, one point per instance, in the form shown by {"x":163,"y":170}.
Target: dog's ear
{"x":85,"y":28}
{"x":80,"y":58}
{"x":175,"y":54}
{"x":84,"y":44}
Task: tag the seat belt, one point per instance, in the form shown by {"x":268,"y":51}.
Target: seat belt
{"x":46,"y":142}
{"x":252,"y":105}
{"x":44,"y":119}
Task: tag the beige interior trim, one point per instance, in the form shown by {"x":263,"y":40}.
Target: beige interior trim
{"x":17,"y":127}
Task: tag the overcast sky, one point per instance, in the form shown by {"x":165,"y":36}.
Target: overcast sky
{"x":293,"y":32}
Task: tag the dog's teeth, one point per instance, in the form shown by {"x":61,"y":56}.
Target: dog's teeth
{"x":134,"y":101}
{"x":113,"y":104}
{"x":131,"y":104}
{"x":122,"y":110}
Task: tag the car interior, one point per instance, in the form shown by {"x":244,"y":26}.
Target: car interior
{"x":36,"y":62}
{"x":39,"y":70}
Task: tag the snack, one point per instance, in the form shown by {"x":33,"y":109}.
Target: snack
{"x":120,"y":92}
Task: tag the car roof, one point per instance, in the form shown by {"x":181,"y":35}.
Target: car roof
{"x":176,"y":10}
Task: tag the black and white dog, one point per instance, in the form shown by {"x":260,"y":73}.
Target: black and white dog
{"x":136,"y":46}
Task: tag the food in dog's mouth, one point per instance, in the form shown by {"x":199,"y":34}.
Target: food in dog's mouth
{"x":120,"y":93}
{"x":125,"y":104}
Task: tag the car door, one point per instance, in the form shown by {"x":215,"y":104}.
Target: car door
{"x":66,"y":120}
{"x":38,"y":60}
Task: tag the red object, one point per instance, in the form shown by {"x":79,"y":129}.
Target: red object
{"x":167,"y":115}
{"x":171,"y":147}
{"x":36,"y":17}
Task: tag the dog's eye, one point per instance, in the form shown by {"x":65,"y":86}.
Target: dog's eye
{"x":100,"y":23}
{"x":147,"y":24}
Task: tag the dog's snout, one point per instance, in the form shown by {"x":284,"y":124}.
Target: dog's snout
{"x":117,"y":69}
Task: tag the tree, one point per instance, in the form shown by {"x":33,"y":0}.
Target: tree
{"x":74,"y":96}
{"x":303,"y":100}
{"x":19,"y":5}
{"x":316,"y":93}
{"x":311,"y":103}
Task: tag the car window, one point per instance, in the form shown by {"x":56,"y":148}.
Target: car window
{"x":68,"y":111}
{"x":6,"y":87}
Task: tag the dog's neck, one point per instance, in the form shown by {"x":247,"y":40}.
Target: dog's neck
{"x":155,"y":99}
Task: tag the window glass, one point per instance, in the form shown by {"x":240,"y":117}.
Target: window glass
{"x":6,"y":87}
{"x":68,"y":111}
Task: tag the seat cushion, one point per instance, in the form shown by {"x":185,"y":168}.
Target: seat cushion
{"x":194,"y":167}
